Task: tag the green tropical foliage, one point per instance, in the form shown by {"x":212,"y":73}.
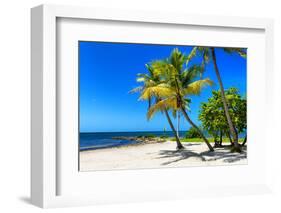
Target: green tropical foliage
{"x":210,"y":53}
{"x":192,"y":133}
{"x":213,"y":117}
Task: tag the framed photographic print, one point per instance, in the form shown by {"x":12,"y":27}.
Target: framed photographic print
{"x":173,"y":80}
{"x":149,"y":106}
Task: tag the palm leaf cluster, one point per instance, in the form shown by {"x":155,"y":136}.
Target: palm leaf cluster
{"x":169,"y":84}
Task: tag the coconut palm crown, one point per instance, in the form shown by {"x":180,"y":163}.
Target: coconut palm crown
{"x":177,"y":82}
{"x":152,"y":90}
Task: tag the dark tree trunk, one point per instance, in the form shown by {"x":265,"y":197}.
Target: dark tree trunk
{"x":196,"y":127}
{"x":230,"y":139}
{"x":179,"y":145}
{"x":220,"y":138}
{"x":217,"y":143}
{"x":229,"y":121}
{"x":245,"y":141}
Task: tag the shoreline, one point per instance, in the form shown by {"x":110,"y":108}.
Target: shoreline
{"x":138,"y":141}
{"x":143,"y":140}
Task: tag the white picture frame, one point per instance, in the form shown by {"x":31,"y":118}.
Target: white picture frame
{"x":45,"y":169}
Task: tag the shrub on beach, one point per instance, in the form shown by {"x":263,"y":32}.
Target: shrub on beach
{"x":192,"y":133}
{"x":150,"y":136}
{"x":212,"y":114}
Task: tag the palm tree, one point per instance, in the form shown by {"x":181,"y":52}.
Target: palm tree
{"x":152,"y":89}
{"x":179,"y":83}
{"x":208,"y":52}
{"x":178,"y":122}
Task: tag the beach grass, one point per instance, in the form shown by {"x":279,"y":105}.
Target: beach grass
{"x":199,"y":140}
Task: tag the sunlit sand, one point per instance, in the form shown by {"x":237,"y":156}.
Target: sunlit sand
{"x":158,"y":155}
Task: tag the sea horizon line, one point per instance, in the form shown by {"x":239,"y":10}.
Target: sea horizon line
{"x":134,"y":131}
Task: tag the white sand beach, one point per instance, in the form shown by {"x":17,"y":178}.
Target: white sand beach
{"x":158,"y":155}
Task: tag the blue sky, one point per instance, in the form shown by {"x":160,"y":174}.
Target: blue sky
{"x":108,"y":72}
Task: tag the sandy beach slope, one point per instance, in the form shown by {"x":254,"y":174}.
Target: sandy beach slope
{"x":157,"y":155}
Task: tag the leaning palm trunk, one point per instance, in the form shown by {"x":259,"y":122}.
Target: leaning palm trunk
{"x":178,"y":124}
{"x":179,"y":145}
{"x":196,"y":127}
{"x":230,"y":139}
{"x":229,"y":121}
{"x":245,"y":141}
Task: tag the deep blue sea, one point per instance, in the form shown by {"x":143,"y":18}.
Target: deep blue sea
{"x":100,"y":140}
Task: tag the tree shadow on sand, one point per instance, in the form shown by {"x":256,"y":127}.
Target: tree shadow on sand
{"x":222,"y":153}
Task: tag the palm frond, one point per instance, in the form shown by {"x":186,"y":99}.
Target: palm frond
{"x":141,"y":77}
{"x":241,"y":51}
{"x":150,"y":69}
{"x":189,"y":74}
{"x":177,"y":59}
{"x":137,"y":89}
{"x":206,"y":56}
{"x":160,"y":67}
{"x":186,"y":104}
{"x":191,"y":55}
{"x":159,"y":91}
{"x":195,"y":87}
{"x":164,"y":70}
{"x":167,"y":103}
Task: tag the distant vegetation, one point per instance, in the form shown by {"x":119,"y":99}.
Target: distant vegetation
{"x":146,"y":136}
{"x":192,"y":133}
